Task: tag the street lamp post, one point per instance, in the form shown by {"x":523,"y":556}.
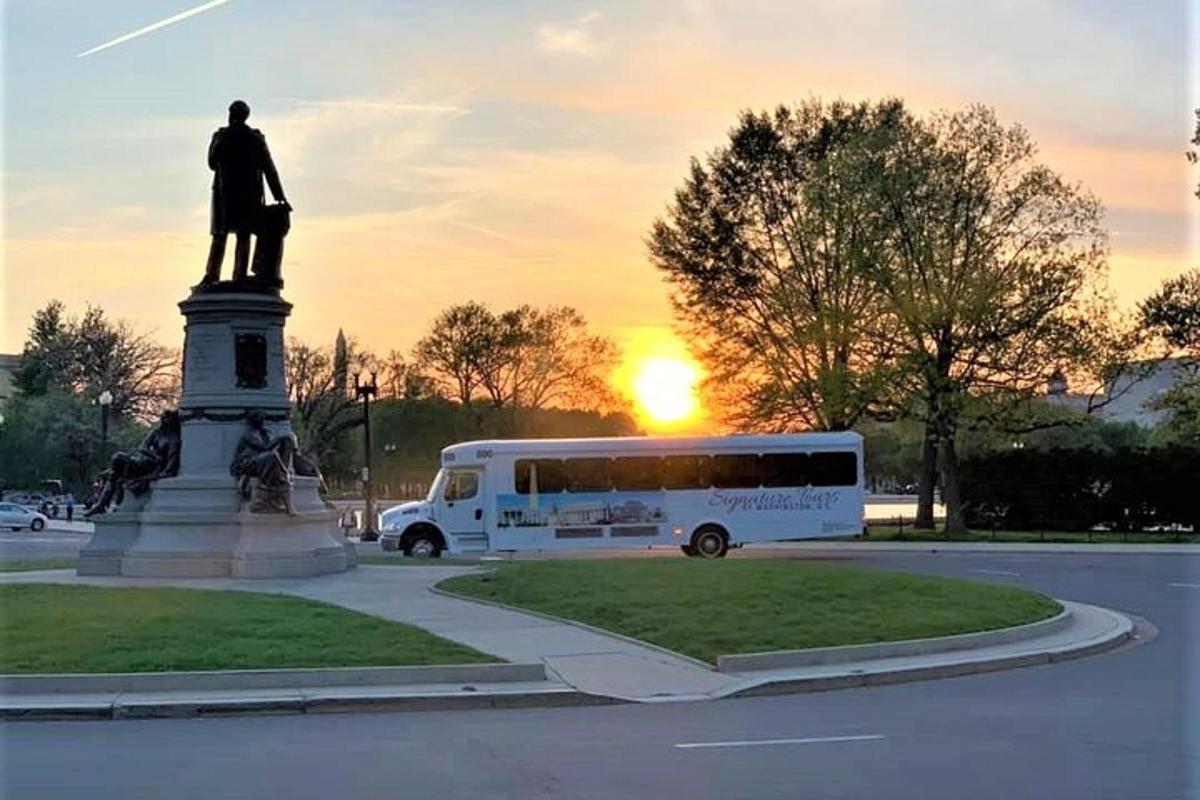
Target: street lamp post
{"x":105,"y":400}
{"x":365,"y":391}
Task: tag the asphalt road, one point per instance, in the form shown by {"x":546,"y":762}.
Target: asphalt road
{"x":1122,"y":725}
{"x":41,"y":544}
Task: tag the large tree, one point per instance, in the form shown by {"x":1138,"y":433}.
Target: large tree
{"x":1171,"y":316}
{"x":770,"y":246}
{"x":455,"y":352}
{"x":542,"y":358}
{"x":525,"y":358}
{"x":993,"y":274}
{"x":89,"y":355}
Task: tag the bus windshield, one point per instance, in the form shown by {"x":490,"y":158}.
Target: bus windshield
{"x":436,"y":487}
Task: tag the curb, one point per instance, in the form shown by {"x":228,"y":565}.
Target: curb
{"x":1112,"y":638}
{"x":349,"y":700}
{"x":242,"y":679}
{"x":575,"y":624}
{"x":816,"y":656}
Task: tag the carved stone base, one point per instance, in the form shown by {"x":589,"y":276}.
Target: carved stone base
{"x":200,"y":527}
{"x":197,"y":524}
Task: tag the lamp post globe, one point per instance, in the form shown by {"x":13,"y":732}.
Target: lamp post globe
{"x":104,"y":400}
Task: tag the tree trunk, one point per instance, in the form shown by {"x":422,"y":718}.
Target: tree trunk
{"x":951,"y":495}
{"x":928,"y":478}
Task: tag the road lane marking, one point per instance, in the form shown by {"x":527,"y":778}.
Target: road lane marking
{"x":1185,"y":585}
{"x":759,"y":742}
{"x":996,"y":572}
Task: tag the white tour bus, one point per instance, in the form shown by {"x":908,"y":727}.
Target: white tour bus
{"x":702,"y":494}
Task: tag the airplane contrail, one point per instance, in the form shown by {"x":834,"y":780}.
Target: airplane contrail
{"x":191,"y":12}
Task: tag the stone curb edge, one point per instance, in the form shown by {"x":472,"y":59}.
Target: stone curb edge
{"x":820,"y":656}
{"x":297,"y":703}
{"x":575,"y":624}
{"x":236,"y":680}
{"x":1121,"y":632}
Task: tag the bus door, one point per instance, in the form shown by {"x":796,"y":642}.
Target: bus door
{"x":461,"y":512}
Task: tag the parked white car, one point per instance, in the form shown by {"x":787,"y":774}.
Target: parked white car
{"x":18,"y":518}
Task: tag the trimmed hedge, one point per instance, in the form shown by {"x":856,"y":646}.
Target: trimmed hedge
{"x":1076,"y":490}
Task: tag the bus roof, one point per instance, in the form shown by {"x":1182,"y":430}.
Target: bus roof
{"x":468,"y":451}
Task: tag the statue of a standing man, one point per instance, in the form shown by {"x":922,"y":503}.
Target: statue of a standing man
{"x":239,"y":157}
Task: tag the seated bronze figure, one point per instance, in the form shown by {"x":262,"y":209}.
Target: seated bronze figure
{"x":158,"y":457}
{"x":267,"y":459}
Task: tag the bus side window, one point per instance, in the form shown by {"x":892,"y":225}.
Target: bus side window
{"x":588,"y":475}
{"x":785,"y":469}
{"x":833,"y":469}
{"x":736,"y":472}
{"x":637,"y":474}
{"x":547,"y":473}
{"x":686,"y":472}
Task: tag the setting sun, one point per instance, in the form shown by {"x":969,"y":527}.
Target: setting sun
{"x":661,"y":379}
{"x":665,"y":389}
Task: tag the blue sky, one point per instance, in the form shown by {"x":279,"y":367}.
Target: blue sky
{"x":518,"y":151}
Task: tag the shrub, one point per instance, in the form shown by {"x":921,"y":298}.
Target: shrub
{"x":1074,"y":490}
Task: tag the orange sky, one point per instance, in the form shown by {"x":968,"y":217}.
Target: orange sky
{"x":518,"y":154}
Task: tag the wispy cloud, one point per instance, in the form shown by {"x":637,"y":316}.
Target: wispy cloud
{"x":384,"y":107}
{"x":572,"y":37}
{"x":162,"y":23}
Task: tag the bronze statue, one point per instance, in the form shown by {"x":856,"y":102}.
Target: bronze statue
{"x":239,"y":157}
{"x":268,"y":459}
{"x":158,"y":457}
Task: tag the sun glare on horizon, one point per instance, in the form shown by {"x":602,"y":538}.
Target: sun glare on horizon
{"x":662,"y":380}
{"x":665,"y":389}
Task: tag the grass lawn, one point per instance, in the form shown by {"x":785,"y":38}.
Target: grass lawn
{"x":710,"y":608}
{"x":45,"y":628}
{"x":30,"y":564}
{"x":884,"y":533}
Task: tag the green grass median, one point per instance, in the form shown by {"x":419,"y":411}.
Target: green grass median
{"x":47,"y":628}
{"x":33,"y":564}
{"x":705,"y":609}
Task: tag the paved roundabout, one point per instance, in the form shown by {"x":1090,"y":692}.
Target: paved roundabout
{"x":1122,"y":724}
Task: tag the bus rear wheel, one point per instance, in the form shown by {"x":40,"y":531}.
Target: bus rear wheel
{"x":710,"y":542}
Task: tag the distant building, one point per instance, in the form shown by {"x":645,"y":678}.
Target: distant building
{"x":1131,"y":396}
{"x":1136,"y":389}
{"x":1057,"y":393}
{"x":8,"y":375}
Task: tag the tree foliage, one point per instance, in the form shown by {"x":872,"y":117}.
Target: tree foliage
{"x":769,"y":246}
{"x":835,"y":261}
{"x":995,"y":276}
{"x":521,"y":358}
{"x":89,"y":355}
{"x":324,"y":407}
{"x":56,"y":435}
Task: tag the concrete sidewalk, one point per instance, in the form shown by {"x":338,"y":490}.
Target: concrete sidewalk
{"x":583,"y":660}
{"x":588,"y":660}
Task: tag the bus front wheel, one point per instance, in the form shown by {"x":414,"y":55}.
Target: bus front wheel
{"x":422,"y":545}
{"x":710,"y":542}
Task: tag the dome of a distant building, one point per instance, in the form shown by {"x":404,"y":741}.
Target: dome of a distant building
{"x":1056,"y":384}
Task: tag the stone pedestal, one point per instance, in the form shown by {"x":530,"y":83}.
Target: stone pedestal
{"x":197,"y":524}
